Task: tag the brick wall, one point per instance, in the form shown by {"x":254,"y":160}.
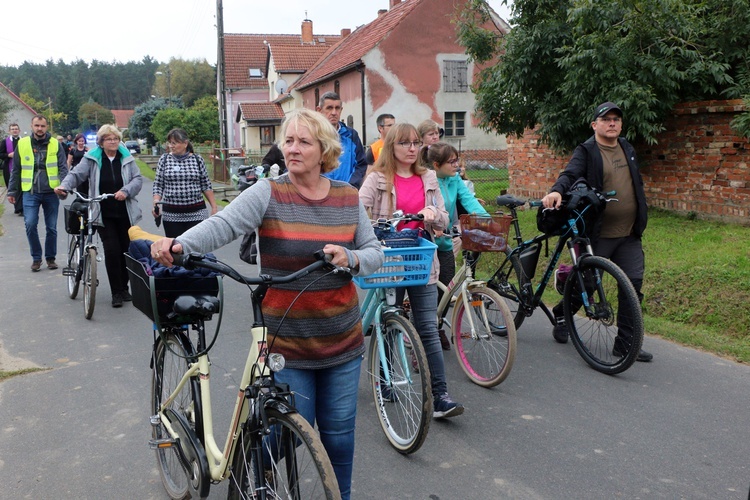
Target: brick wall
{"x":699,"y":164}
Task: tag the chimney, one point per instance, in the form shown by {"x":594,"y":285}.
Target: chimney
{"x":307,"y":31}
{"x":345,"y":32}
{"x":393,"y":3}
{"x":382,"y":11}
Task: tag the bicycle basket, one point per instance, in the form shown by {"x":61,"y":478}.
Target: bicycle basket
{"x":398,"y":239}
{"x":407,"y":266}
{"x":166,"y":290}
{"x":480,"y":233}
{"x":71,"y":214}
{"x":553,"y":222}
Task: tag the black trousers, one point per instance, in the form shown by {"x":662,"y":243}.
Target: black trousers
{"x":115,"y":240}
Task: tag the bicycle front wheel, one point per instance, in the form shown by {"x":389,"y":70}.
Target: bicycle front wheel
{"x":170,"y":363}
{"x":400,"y":381}
{"x":74,"y":258}
{"x":509,"y":281}
{"x":290,"y":464}
{"x":89,"y":283}
{"x":485,"y":336}
{"x":609,"y":335}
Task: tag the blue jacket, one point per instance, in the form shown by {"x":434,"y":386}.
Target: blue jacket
{"x":454,"y":189}
{"x":352,"y":163}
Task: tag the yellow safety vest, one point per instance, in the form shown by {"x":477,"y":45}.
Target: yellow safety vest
{"x":26,"y":152}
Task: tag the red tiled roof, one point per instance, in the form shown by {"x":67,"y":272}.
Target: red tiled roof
{"x":296,"y":59}
{"x":355,"y":46}
{"x":261,"y":111}
{"x":122,"y":117}
{"x":242,"y":52}
{"x":14,"y":96}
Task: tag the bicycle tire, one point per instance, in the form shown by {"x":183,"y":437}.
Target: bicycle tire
{"x":74,"y":259}
{"x":170,"y":363}
{"x":404,"y":407}
{"x":297,"y":469}
{"x":509,"y":281}
{"x":487,"y":357}
{"x":594,"y":337}
{"x":89,"y":283}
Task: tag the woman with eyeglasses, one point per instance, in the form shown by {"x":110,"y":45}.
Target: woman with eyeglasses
{"x":444,"y":159}
{"x":181,"y":183}
{"x":110,"y":168}
{"x":399,"y":181}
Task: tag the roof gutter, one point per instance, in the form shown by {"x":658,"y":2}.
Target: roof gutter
{"x":361,"y":69}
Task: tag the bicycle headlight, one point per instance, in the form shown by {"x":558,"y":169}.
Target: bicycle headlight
{"x":390,"y":296}
{"x":276,"y":362}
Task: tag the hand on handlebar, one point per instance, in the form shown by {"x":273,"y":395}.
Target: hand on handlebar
{"x":552,"y":200}
{"x":162,"y":250}
{"x":61,"y":192}
{"x":338,"y":256}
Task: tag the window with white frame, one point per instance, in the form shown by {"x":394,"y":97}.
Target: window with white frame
{"x":455,"y":76}
{"x":455,"y":123}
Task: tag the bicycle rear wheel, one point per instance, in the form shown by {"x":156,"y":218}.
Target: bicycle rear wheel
{"x":294,"y":464}
{"x":404,"y":398}
{"x":509,"y":281}
{"x":614,"y":308}
{"x":89,"y":283}
{"x":170,"y":363}
{"x":74,"y":258}
{"x":487,"y":353}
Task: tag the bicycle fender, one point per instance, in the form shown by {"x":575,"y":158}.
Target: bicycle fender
{"x":191,"y":452}
{"x":281,"y":405}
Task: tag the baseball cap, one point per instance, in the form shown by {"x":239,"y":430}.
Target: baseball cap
{"x":605,"y":108}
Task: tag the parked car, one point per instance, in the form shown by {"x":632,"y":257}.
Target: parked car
{"x":133,"y":147}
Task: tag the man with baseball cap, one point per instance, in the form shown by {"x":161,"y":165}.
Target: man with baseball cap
{"x":608,"y":162}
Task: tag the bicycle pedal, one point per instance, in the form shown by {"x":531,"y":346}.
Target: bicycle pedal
{"x":68,"y":271}
{"x":156,"y":444}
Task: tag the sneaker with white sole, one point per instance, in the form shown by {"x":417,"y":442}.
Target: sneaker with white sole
{"x":445,"y":407}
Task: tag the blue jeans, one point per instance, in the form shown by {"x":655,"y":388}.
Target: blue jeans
{"x":423,"y":300}
{"x":329,"y":397}
{"x":50,"y":204}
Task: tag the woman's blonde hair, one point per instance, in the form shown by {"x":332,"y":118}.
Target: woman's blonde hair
{"x":105,"y":130}
{"x":321,"y":129}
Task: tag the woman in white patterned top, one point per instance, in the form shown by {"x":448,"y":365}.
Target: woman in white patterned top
{"x":181,"y":183}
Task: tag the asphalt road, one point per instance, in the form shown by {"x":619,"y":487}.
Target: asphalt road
{"x":674,"y":428}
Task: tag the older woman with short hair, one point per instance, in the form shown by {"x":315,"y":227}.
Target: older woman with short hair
{"x":295,"y":215}
{"x":110,"y":168}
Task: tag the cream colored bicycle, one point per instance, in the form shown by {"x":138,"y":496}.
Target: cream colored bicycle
{"x":271,"y":451}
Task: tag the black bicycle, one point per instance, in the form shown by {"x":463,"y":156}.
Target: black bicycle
{"x":601,"y":307}
{"x":83,"y":252}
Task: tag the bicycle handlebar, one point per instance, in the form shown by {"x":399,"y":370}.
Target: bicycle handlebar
{"x":194,"y":260}
{"x":79,"y":196}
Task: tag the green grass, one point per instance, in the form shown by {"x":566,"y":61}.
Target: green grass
{"x":6,"y":375}
{"x":696,"y":285}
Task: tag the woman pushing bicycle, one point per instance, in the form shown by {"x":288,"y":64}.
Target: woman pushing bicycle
{"x":320,"y":333}
{"x":400,"y":182}
{"x":110,"y":168}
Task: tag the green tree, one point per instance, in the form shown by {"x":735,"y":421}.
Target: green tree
{"x":187,"y":79}
{"x":563,"y":57}
{"x":68,"y":102}
{"x":93,"y":115}
{"x":47,"y":110}
{"x":201,"y":122}
{"x":143,"y":116}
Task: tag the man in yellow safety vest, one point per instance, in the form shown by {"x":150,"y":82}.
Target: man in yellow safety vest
{"x":39,"y":165}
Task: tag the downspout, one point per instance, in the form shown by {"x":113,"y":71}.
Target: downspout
{"x":361,"y":69}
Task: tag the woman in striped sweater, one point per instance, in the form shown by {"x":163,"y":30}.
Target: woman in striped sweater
{"x":296,"y":214}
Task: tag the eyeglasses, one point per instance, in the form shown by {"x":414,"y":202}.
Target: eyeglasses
{"x":111,"y":139}
{"x":409,"y":145}
{"x":615,"y":119}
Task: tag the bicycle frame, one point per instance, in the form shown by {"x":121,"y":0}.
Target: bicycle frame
{"x":219,"y":458}
{"x":374,"y":306}
{"x":463,"y":281}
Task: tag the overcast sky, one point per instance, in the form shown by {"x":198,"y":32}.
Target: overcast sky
{"x":186,"y":29}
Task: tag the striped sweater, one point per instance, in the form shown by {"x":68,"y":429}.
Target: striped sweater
{"x":323,"y":327}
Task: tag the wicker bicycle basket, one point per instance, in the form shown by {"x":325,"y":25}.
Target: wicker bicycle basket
{"x":482,"y":233}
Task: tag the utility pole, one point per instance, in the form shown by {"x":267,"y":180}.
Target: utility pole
{"x":221,"y":77}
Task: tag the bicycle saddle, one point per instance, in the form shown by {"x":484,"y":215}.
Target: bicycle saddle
{"x":507,"y":200}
